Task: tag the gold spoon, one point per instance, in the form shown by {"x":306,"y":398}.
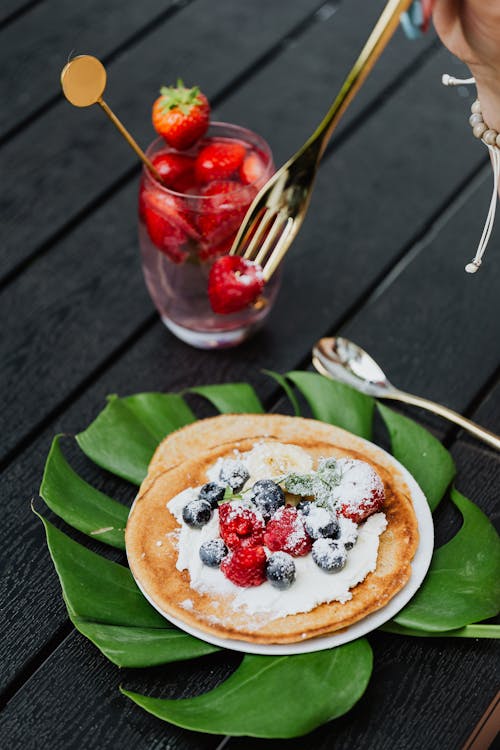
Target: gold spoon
{"x":83,"y":81}
{"x":341,"y":359}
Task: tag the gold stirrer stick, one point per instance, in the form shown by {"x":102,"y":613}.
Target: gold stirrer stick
{"x":83,"y":81}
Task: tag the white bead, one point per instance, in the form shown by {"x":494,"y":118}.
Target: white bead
{"x":475,"y":119}
{"x":490,"y":137}
{"x":479,"y":129}
{"x":471,"y":268}
{"x":498,"y":141}
{"x":476,"y":108}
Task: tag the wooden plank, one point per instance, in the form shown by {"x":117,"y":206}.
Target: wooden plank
{"x":432,"y":327}
{"x":80,"y":155}
{"x":82,"y":706}
{"x":149,"y":364}
{"x":106,"y":312}
{"x":60,"y":298}
{"x":11,"y":10}
{"x":35,"y":48}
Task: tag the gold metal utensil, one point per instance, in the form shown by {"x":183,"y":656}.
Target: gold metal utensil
{"x":83,"y":81}
{"x":276,"y":214}
{"x":341,"y":359}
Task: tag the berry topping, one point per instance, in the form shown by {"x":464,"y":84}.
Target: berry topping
{"x":197,"y":513}
{"x":233,"y":284}
{"x":267,"y":496}
{"x":246,"y":566}
{"x":240,"y":526}
{"x":329,"y":555}
{"x":361,"y":491}
{"x":304,"y":506}
{"x":213,"y":552}
{"x":280,"y":570}
{"x":213,"y":493}
{"x":348,"y":535}
{"x":219,"y":160}
{"x":173,"y":167}
{"x":285,"y":531}
{"x":252,"y":169}
{"x":181,"y":115}
{"x":319,"y":522}
{"x":234,"y":473}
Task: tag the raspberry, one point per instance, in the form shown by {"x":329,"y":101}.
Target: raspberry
{"x":286,"y":532}
{"x":245,"y":566}
{"x":240,"y":526}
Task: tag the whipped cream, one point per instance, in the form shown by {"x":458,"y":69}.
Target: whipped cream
{"x":312,"y":585}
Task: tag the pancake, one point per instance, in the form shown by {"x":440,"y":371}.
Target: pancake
{"x":182,"y":461}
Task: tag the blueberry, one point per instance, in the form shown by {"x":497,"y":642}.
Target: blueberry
{"x":213,"y":552}
{"x":328,"y":555}
{"x":267,"y":496}
{"x":319,"y":522}
{"x":235,"y":474}
{"x":213,"y":493}
{"x":304,"y":506}
{"x":197,"y":513}
{"x":280,"y":570}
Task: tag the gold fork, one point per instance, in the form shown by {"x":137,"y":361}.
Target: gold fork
{"x":277,"y":212}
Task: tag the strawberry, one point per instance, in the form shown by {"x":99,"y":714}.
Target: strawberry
{"x":223,"y":210}
{"x":233,"y":284}
{"x":181,"y":115}
{"x":173,"y":167}
{"x":166,"y":236}
{"x":172,"y":209}
{"x":219,"y":160}
{"x":239,"y":525}
{"x":366,"y":506}
{"x":252,"y":170}
{"x":285,"y":531}
{"x":215,"y":251}
{"x":246,"y":566}
{"x":361,"y":491}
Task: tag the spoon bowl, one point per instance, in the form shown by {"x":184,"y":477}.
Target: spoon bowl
{"x":346,"y":361}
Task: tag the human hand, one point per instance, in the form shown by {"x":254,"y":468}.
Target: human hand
{"x":471,"y":31}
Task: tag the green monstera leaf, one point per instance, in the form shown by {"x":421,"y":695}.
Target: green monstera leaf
{"x":330,"y":681}
{"x":106,"y":606}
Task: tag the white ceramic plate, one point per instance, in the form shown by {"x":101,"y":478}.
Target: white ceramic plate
{"x":420,"y":565}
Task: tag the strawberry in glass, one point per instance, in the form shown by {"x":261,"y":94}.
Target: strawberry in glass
{"x":190,"y":221}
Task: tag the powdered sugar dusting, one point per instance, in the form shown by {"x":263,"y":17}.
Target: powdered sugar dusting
{"x":312,"y":586}
{"x":358,"y":481}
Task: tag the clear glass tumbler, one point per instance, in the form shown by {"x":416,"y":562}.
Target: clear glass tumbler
{"x":183,"y":231}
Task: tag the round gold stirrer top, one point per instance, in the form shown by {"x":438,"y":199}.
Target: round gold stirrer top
{"x":83,"y":81}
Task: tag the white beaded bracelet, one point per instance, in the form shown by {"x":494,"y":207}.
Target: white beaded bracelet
{"x":491,"y":139}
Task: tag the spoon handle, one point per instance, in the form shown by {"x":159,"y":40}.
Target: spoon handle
{"x":466,"y":424}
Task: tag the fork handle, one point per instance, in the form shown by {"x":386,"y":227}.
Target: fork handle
{"x":466,"y":424}
{"x":375,"y":45}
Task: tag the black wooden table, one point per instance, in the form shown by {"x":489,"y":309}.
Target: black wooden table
{"x":397,"y":212}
